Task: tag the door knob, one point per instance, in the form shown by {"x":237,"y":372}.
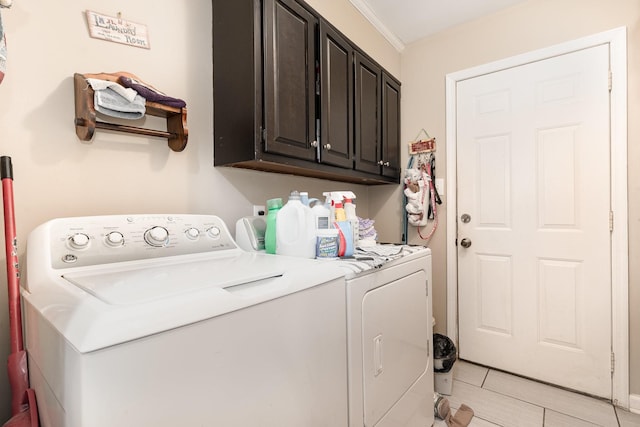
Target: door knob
{"x":465,"y":243}
{"x":327,"y":146}
{"x":314,"y":144}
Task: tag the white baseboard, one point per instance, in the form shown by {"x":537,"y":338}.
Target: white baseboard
{"x":634,"y":403}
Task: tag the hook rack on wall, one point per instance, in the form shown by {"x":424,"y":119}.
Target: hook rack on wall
{"x":86,"y":123}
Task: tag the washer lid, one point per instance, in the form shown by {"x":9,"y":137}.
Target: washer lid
{"x":145,"y":284}
{"x":101,"y":307}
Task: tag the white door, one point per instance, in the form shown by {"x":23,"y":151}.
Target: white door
{"x":534,"y":285}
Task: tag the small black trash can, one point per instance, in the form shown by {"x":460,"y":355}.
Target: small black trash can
{"x":444,"y":356}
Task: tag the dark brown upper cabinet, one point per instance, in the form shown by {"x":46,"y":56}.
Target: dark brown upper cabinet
{"x":377,"y":119}
{"x":368,"y":115}
{"x":286,"y":96}
{"x":290,"y":79}
{"x":336,"y":82}
{"x":390,"y":150}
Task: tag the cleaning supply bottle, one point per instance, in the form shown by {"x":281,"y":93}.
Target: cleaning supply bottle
{"x":350,"y":212}
{"x":326,"y":235}
{"x":335,"y":197}
{"x":273,"y":206}
{"x":327,"y":243}
{"x":339,"y":212}
{"x":321,"y":213}
{"x":296,"y":231}
{"x":304,"y":198}
{"x":349,"y":208}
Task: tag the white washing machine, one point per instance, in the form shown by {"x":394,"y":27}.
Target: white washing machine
{"x":162,"y":320}
{"x":389,"y":339}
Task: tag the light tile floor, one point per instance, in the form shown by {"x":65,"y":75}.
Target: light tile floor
{"x":500,"y":399}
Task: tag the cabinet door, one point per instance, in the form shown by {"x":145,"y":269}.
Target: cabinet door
{"x":390,"y":126}
{"x":237,"y":80}
{"x":368,"y":85}
{"x":290,"y":79}
{"x":336,"y":83}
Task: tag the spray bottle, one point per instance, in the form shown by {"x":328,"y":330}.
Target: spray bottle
{"x":350,"y":213}
{"x":338,"y":197}
{"x":348,"y":226}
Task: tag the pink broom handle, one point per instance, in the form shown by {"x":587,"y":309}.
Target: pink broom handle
{"x":11,"y":246}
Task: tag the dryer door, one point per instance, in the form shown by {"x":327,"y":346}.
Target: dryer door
{"x":395,"y":342}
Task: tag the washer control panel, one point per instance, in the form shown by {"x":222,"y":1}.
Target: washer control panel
{"x":85,"y":241}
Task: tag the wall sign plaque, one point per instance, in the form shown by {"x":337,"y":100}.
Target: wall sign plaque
{"x":117,"y":30}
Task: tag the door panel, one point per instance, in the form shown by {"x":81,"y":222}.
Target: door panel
{"x":290,"y":79}
{"x":390,"y":127}
{"x":367,"y":109}
{"x":494,"y":200}
{"x":395,"y":348}
{"x":533,"y":173}
{"x":336,"y":138}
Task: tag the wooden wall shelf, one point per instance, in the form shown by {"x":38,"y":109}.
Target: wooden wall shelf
{"x":86,"y":123}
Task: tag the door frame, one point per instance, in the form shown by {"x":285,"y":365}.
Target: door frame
{"x":617,"y":39}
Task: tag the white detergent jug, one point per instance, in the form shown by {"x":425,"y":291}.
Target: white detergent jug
{"x":296,"y":229}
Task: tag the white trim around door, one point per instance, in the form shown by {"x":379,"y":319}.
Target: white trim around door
{"x":617,"y":41}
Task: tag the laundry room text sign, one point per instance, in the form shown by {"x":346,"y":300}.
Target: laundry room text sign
{"x":117,"y":30}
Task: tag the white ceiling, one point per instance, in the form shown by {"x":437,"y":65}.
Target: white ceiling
{"x":405,"y":21}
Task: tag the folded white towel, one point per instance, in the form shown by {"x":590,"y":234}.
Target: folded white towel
{"x":126,"y":93}
{"x":109,"y":102}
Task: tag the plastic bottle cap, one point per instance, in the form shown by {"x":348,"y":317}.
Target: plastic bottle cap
{"x":294,"y":195}
{"x":338,"y":205}
{"x":274,"y":203}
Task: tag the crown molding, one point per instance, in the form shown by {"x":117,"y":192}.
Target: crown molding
{"x":366,"y":11}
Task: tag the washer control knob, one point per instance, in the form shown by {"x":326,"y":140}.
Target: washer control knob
{"x":192,"y":233}
{"x":79,"y":241}
{"x":214,"y":232}
{"x":115,"y":238}
{"x":156,"y":236}
{"x":69,"y":258}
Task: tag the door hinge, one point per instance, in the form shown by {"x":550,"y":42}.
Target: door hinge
{"x":613,"y":362}
{"x":610,"y":82}
{"x":610,"y":220}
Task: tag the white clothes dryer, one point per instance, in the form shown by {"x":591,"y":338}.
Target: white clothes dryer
{"x":390,"y":329}
{"x":161,"y":320}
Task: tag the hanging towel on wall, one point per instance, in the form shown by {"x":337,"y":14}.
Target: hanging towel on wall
{"x":3,"y":50}
{"x":150,"y":93}
{"x":114,"y":100}
{"x":145,"y":90}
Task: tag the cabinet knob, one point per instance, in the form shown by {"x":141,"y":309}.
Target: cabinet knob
{"x":327,"y":146}
{"x":386,"y":163}
{"x":314,"y":144}
{"x":380,"y":162}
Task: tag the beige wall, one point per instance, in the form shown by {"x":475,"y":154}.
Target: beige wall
{"x":344,"y":16}
{"x":531,"y":25}
{"x":56,"y":175}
